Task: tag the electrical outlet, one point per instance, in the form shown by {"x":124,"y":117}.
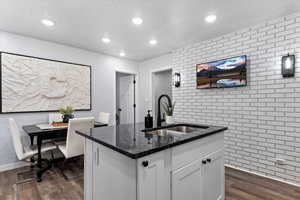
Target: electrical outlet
{"x":280,"y":161}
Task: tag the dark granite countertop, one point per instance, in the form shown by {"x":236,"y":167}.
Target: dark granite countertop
{"x":132,"y":140}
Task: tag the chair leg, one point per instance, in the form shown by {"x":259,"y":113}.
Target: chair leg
{"x":52,"y":155}
{"x":62,"y":170}
{"x":32,"y":162}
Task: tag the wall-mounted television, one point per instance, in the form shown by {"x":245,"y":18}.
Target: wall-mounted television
{"x":229,"y":72}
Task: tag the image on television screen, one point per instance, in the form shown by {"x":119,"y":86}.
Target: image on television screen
{"x":230,"y":72}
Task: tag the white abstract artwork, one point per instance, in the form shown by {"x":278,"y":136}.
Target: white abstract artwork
{"x":32,"y":84}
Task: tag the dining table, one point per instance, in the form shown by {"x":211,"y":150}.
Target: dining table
{"x":42,"y":134}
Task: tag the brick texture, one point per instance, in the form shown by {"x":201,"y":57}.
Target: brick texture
{"x":264,"y":117}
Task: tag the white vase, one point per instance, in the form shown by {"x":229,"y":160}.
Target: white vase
{"x":169,"y":119}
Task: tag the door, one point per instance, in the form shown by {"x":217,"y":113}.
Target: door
{"x":125,"y":98}
{"x":161,"y":84}
{"x":113,"y":174}
{"x":186,"y":182}
{"x":154,"y":176}
{"x":88,"y":170}
{"x":213,"y":176}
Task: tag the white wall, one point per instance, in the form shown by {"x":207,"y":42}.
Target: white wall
{"x":103,"y":81}
{"x":264,"y":117}
{"x":145,"y":86}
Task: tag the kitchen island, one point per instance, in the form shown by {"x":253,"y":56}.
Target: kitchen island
{"x":175,"y":162}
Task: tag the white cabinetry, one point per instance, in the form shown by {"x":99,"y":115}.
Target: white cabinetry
{"x":191,"y":171}
{"x":202,"y":179}
{"x":112,"y":176}
{"x":186,"y":182}
{"x":213,"y":176}
{"x":153,"y":176}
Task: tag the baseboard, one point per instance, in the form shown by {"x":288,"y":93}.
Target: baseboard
{"x":258,"y":174}
{"x":11,"y":166}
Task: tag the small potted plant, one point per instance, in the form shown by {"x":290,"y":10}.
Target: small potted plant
{"x":169,"y":110}
{"x":67,"y":113}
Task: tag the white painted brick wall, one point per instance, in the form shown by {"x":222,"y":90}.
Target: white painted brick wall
{"x":264,"y":117}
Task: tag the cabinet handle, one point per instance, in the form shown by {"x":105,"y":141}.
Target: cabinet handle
{"x":145,"y":163}
{"x":204,"y":162}
{"x":208,"y":160}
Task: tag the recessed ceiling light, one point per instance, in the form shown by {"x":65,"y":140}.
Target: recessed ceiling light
{"x":210,"y":18}
{"x":105,"y":40}
{"x":137,"y":20}
{"x":122,"y":54}
{"x":153,"y":42}
{"x":47,"y":22}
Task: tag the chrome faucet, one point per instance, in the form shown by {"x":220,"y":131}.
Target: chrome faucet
{"x":159,"y":119}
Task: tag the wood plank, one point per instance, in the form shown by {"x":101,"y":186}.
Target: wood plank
{"x":239,"y":186}
{"x":244,"y":186}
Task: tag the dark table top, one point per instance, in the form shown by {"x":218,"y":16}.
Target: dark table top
{"x":34,"y":130}
{"x":132,"y":141}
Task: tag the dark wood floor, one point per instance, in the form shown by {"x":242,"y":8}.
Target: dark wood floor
{"x":245,"y":186}
{"x":239,"y":186}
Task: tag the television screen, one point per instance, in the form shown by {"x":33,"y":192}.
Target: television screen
{"x":230,"y":72}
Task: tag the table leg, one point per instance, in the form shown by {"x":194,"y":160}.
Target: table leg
{"x":39,"y":147}
{"x":39,"y":160}
{"x":42,"y":169}
{"x":31,"y":139}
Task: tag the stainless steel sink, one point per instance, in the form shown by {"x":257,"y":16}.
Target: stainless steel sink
{"x":160,"y":132}
{"x":177,"y":130}
{"x":185,"y":129}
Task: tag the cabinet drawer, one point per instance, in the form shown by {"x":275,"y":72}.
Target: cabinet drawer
{"x":189,"y":152}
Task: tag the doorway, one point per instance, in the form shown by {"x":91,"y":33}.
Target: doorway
{"x":125,"y":98}
{"x":161,"y":84}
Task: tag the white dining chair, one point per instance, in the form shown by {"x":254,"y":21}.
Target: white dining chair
{"x":55,"y":117}
{"x":24,"y":152}
{"x":74,"y":145}
{"x":104,"y":117}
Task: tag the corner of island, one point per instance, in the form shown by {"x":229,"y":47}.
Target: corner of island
{"x":127,"y":161}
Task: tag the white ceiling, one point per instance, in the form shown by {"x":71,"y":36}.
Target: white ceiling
{"x":174,"y":23}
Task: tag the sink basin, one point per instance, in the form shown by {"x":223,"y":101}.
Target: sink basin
{"x":185,"y":129}
{"x":176,"y":130}
{"x":160,"y":132}
{"x":166,"y":132}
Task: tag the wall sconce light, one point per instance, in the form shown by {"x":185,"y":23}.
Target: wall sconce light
{"x":177,"y":79}
{"x":288,"y":65}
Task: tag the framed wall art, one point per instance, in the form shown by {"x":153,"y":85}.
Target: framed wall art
{"x":31,"y":84}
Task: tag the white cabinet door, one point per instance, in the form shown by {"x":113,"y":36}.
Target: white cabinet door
{"x":88,"y":170}
{"x":213,"y":176}
{"x":186,"y":182}
{"x":114,"y":175}
{"x":154,"y":176}
{"x":97,"y":172}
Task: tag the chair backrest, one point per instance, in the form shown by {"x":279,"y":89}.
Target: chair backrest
{"x":55,"y":117}
{"x":75,"y":142}
{"x":104,"y":117}
{"x":16,"y":138}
